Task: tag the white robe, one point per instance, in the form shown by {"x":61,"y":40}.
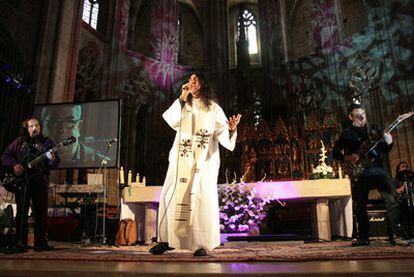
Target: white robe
{"x":205,"y":228}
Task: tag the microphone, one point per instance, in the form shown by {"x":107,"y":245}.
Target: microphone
{"x":185,"y":87}
{"x":112,"y":141}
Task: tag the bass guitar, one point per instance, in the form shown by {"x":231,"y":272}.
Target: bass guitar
{"x":13,"y":183}
{"x":355,"y":169}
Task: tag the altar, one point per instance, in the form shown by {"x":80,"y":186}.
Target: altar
{"x":140,"y":203}
{"x":330,"y":199}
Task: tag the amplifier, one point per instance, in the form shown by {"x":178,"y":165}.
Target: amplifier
{"x":377,"y":223}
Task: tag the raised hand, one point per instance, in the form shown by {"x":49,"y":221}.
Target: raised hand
{"x":234,"y":120}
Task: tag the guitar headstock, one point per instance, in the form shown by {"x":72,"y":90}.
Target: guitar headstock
{"x":69,"y":141}
{"x":405,"y":116}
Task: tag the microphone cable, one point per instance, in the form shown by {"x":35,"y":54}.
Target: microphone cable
{"x":176,"y":175}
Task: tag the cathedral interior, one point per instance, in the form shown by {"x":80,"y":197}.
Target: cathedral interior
{"x":292,"y":71}
{"x":291,"y":68}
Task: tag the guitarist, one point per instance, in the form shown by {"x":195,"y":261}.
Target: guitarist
{"x":30,"y":144}
{"x":347,"y":150}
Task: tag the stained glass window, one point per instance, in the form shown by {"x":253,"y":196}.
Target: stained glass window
{"x":90,"y":12}
{"x":250,"y":30}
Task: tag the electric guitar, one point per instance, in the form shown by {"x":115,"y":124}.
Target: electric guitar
{"x":13,"y":183}
{"x":354,"y":170}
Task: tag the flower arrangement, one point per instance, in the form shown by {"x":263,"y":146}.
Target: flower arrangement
{"x":322,"y":171}
{"x":241,"y":210}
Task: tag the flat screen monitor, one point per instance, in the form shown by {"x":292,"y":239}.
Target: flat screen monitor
{"x":95,"y":125}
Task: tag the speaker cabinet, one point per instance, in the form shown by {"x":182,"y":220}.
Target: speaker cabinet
{"x":377,"y":223}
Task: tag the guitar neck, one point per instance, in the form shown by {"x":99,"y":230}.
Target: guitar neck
{"x":388,"y":129}
{"x":392,"y":125}
{"x":39,"y":159}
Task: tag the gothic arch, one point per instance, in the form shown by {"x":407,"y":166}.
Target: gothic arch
{"x":234,"y":8}
{"x":300,"y":30}
{"x":191,"y":40}
{"x":139,"y":29}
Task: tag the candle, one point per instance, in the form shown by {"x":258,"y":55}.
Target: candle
{"x":129,"y":177}
{"x":340,"y":172}
{"x":121,"y":176}
{"x":137,"y":178}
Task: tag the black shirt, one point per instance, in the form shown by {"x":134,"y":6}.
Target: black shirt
{"x":354,"y":139}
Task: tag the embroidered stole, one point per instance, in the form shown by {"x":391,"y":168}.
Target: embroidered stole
{"x":197,"y":127}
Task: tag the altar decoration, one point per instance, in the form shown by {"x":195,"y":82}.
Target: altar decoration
{"x":241,"y":209}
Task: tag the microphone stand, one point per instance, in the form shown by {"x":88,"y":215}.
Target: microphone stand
{"x":104,"y":184}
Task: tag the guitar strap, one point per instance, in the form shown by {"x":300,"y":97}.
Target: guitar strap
{"x":372,"y":132}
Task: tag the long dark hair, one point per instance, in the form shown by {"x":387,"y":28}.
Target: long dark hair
{"x":207,"y":94}
{"x":24,"y":133}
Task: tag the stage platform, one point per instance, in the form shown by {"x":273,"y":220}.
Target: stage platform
{"x":292,"y":258}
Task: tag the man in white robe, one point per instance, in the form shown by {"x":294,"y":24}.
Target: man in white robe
{"x":188,"y":215}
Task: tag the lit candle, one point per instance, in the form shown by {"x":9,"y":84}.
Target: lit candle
{"x":129,"y":177}
{"x":121,"y":175}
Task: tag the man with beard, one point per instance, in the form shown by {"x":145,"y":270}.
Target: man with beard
{"x":29,"y":145}
{"x":61,"y":122}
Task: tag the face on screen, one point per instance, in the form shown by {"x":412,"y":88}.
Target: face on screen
{"x":93,"y":125}
{"x":61,"y":123}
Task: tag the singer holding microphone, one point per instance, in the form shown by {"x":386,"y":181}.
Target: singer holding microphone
{"x":188,"y":216}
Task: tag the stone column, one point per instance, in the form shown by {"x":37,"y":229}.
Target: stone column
{"x":58,"y":51}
